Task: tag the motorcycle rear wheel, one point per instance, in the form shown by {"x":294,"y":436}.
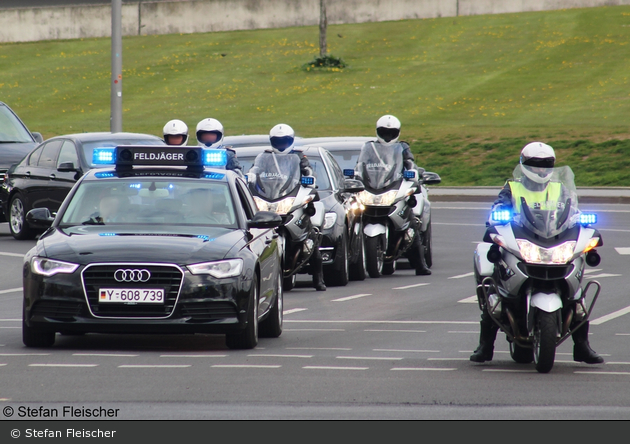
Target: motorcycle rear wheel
{"x":545,"y":333}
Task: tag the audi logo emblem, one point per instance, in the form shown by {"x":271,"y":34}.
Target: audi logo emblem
{"x":129,"y":275}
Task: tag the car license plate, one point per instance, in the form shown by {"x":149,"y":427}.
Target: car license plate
{"x":131,"y":296}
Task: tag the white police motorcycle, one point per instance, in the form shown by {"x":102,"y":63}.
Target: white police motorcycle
{"x":279,"y":187}
{"x":390,"y":228}
{"x":530,"y":271}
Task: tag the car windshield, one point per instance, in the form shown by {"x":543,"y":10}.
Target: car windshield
{"x":11,"y":130}
{"x":347,"y":159}
{"x":89,"y":146}
{"x":148,"y":201}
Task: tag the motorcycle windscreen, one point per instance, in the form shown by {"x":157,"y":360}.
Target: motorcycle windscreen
{"x":380,"y":167}
{"x":547,"y":209}
{"x":277,"y":175}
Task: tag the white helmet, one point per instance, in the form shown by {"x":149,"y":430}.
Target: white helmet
{"x":282,"y":137}
{"x":537,"y":161}
{"x":210,"y":126}
{"x":388,"y":129}
{"x":175,"y":128}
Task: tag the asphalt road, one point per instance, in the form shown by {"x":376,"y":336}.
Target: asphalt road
{"x":396,"y":347}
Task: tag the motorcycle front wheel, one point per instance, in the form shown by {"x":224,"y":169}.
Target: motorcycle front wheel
{"x":520,"y":354}
{"x":374,"y":256}
{"x":545,"y":334}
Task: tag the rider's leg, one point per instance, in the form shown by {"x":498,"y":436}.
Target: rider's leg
{"x":487,"y":336}
{"x":582,"y":351}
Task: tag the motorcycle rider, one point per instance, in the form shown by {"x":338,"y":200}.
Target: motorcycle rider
{"x":387,"y":135}
{"x":210,"y":135}
{"x":537,"y":161}
{"x":175,"y":133}
{"x":282,"y":138}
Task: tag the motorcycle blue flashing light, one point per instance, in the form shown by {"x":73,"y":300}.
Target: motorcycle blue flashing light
{"x":501,"y":216}
{"x":104,"y":156}
{"x":408,"y":174}
{"x":214,"y":158}
{"x":348,"y":172}
{"x":588,"y":218}
{"x":307,"y":180}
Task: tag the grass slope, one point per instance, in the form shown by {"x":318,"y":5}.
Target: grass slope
{"x":470,"y":91}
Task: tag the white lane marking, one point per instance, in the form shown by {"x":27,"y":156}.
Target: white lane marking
{"x":63,"y":365}
{"x":113,"y":355}
{"x":603,"y":373}
{"x":193,"y":356}
{"x":617,"y":363}
{"x":313,"y":329}
{"x":423,"y":369}
{"x":2,"y":365}
{"x":11,"y":290}
{"x":604,"y":275}
{"x":10,"y":320}
{"x":244,"y":366}
{"x":373,"y":358}
{"x":469,"y":300}
{"x":462,"y":275}
{"x":592,"y":270}
{"x":382,"y":322}
{"x":610,"y":316}
{"x":356,"y":296}
{"x":3,"y":253}
{"x":398,"y":331}
{"x":330,"y":367}
{"x":405,"y":351}
{"x":153,"y":366}
{"x":410,"y":286}
{"x":319,"y":348}
{"x":293,"y":310}
{"x":282,"y":356}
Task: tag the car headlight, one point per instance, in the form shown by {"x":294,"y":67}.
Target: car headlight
{"x":281,"y":207}
{"x":535,"y":254}
{"x":385,"y":199}
{"x":329,"y":220}
{"x":218,"y":269}
{"x":50,"y":267}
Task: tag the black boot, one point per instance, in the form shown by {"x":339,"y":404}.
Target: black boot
{"x":423,"y":269}
{"x":487,"y":335}
{"x":318,"y":274}
{"x":582,"y":351}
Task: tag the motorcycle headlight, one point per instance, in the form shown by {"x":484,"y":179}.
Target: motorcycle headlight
{"x":535,"y":254}
{"x":329,"y":220}
{"x":281,"y":207}
{"x":385,"y":199}
{"x":218,"y":269}
{"x":50,"y":267}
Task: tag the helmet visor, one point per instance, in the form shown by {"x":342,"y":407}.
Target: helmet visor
{"x":539,"y":162}
{"x":281,"y":143}
{"x":387,"y":134}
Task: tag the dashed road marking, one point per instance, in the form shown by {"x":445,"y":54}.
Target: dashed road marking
{"x":610,"y":316}
{"x":329,"y":367}
{"x":410,"y":286}
{"x":356,"y":296}
{"x":293,"y":310}
{"x":422,"y":369}
{"x":63,"y":365}
{"x":462,"y":275}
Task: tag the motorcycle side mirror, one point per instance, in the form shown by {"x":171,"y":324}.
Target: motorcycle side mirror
{"x":265,"y":219}
{"x":429,"y":178}
{"x":353,"y":186}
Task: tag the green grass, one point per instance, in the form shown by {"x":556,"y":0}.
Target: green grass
{"x":470,"y":91}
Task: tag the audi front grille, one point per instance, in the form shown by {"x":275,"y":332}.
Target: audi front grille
{"x":132,"y":276}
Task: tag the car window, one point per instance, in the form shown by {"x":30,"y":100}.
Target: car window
{"x":319,"y":171}
{"x":337,"y":174}
{"x":11,"y":130}
{"x":68,"y":153}
{"x":33,"y":158}
{"x":347,"y":159}
{"x":149,"y":201}
{"x":49,"y":154}
{"x":248,"y":204}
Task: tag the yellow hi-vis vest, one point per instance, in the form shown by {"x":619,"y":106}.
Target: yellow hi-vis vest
{"x":546,"y":199}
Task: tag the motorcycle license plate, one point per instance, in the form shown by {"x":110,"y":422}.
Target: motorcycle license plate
{"x":131,"y":296}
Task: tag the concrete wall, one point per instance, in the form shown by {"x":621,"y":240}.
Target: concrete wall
{"x":183,"y":16}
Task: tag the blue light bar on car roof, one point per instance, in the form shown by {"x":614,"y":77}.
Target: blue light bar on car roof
{"x":214,"y":158}
{"x":104,"y":156}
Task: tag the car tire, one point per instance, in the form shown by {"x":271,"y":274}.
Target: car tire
{"x":357,"y":271}
{"x":336,"y":274}
{"x":248,"y":338}
{"x":36,"y":338}
{"x":17,"y":219}
{"x":271,"y":327}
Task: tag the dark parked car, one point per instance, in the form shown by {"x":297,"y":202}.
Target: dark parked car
{"x":16,"y":141}
{"x":169,"y":246}
{"x":44,"y":176}
{"x":342,"y":240}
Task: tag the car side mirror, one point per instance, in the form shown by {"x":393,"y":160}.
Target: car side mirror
{"x":265,"y":219}
{"x":38,"y":137}
{"x":353,"y":186}
{"x":429,"y":178}
{"x":40,"y":217}
{"x":66,"y":167}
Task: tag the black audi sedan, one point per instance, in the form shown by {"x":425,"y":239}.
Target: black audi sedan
{"x":156,"y":243}
{"x":342,"y":246}
{"x":46,"y":174}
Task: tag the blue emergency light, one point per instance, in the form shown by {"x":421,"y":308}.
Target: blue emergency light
{"x":588,"y":218}
{"x":348,"y":172}
{"x":104,"y":156}
{"x":307,"y":180}
{"x":214,"y":158}
{"x":501,"y":216}
{"x":409,"y":174}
